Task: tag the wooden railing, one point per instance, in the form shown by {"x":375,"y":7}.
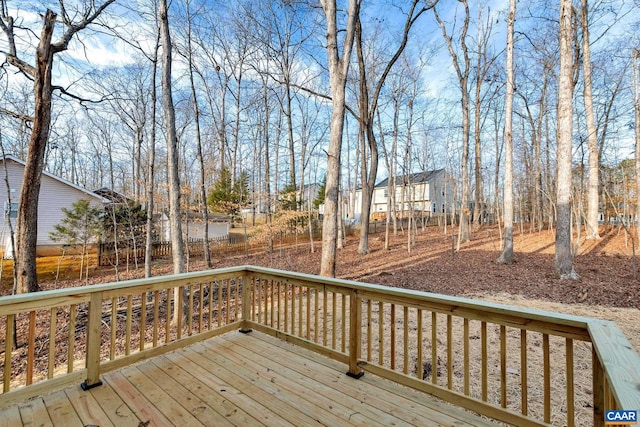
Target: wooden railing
{"x":76,"y":334}
{"x":523,"y":367}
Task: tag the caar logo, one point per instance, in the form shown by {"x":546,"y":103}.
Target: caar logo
{"x":621,"y":417}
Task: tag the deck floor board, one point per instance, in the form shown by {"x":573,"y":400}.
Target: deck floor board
{"x":239,"y":380}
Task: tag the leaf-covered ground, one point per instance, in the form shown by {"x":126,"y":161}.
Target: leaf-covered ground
{"x":606,"y":288}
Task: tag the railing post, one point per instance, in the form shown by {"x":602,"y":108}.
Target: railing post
{"x":355,"y":334}
{"x":246,"y":303}
{"x":598,"y":390}
{"x":94,"y":335}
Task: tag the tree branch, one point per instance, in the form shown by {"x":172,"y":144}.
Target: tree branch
{"x":15,"y":115}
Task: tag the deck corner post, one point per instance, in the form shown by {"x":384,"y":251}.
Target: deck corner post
{"x":598,"y":390}
{"x":246,"y":303}
{"x":355,"y":334}
{"x":94,"y":336}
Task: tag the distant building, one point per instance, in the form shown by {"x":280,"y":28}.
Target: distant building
{"x":55,"y":194}
{"x":428,"y":193}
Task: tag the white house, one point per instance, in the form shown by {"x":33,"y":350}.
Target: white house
{"x":55,"y":194}
{"x":429,"y":192}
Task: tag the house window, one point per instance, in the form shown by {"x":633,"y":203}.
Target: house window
{"x":433,"y":207}
{"x":386,"y":193}
{"x":10,"y":211}
{"x":443,"y":208}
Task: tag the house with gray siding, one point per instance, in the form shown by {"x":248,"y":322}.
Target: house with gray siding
{"x":55,"y":194}
{"x":430,"y":193}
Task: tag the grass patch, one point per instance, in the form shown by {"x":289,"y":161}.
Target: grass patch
{"x":47,"y":268}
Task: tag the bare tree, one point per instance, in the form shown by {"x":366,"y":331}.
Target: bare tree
{"x":43,"y":88}
{"x":148,"y":252}
{"x":507,"y":253}
{"x":462,"y":71}
{"x":636,"y":110}
{"x":563,"y":257}
{"x":367,"y":110}
{"x":338,"y":69}
{"x":175,"y":218}
{"x":199,"y":152}
{"x":592,"y":136}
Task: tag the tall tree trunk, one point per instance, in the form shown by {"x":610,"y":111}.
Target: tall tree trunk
{"x":636,"y":109}
{"x":196,"y":113}
{"x":507,"y":253}
{"x":338,"y":68}
{"x":594,"y":161}
{"x":148,"y":253}
{"x":175,"y":219}
{"x":563,"y":257}
{"x":463,"y":80}
{"x":27,"y":228}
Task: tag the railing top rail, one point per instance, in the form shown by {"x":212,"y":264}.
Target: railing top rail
{"x":620,"y":361}
{"x":80,"y":291}
{"x":467,"y":303}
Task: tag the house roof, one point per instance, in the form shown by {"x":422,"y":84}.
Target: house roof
{"x":414,"y":178}
{"x":57,"y":178}
{"x":111,"y":195}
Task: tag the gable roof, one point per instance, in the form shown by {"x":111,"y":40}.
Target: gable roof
{"x":57,"y":178}
{"x":414,"y":178}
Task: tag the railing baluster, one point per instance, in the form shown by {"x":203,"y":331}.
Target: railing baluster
{"x":325,"y":307}
{"x":570,"y":383}
{"x":420,"y":367}
{"x":179,"y":303}
{"x":467,"y":358}
{"x":334,"y":319}
{"x":265,"y":294}
{"x":72,"y":338}
{"x":127,"y":340}
{"x":293,"y":310}
{"x":547,"y":378}
{"x":381,"y":333}
{"x":156,"y":316}
{"x":31,"y":346}
{"x":200,"y":307}
{"x":369,"y":330}
{"x":272,"y":313}
{"x":190,"y":311}
{"x":219,"y":288}
{"x":279,"y":290}
{"x":52,"y":342}
{"x":524,"y":389}
{"x":483,"y":358}
{"x":286,"y":308}
{"x":143,"y":319}
{"x":316,"y":305}
{"x":238,"y":297}
{"x":392,"y":325}
{"x":167,"y":324}
{"x":405,"y":367}
{"x":308,"y":316}
{"x":8,"y":346}
{"x":344,"y":323}
{"x":114,"y":328}
{"x":355,"y":332}
{"x":503,"y":366}
{"x":228,"y":306}
{"x":300,"y":311}
{"x":434,"y":348}
{"x":449,"y":352}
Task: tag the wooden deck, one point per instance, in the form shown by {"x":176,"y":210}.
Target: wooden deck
{"x":238,"y":380}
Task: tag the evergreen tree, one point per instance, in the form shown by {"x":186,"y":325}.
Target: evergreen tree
{"x":81,"y":225}
{"x":320,"y":197}
{"x":227,"y":196}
